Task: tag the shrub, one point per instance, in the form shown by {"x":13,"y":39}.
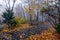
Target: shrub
{"x":8,"y":16}
{"x":12,"y":22}
{"x":44,"y":9}
{"x":20,"y":20}
{"x":57,"y":27}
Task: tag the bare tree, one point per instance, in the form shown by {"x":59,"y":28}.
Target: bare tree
{"x":8,"y":5}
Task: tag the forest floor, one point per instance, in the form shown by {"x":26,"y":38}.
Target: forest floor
{"x":30,"y":32}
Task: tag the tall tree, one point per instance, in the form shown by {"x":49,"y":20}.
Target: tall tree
{"x":31,"y":9}
{"x":58,"y":25}
{"x":9,"y":14}
{"x":8,"y":4}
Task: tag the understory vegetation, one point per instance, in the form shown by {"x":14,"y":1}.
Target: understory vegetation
{"x":39,"y":21}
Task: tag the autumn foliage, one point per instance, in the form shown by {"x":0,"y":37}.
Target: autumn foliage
{"x":49,"y":34}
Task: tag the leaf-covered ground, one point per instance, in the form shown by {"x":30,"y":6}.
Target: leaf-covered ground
{"x":49,"y":34}
{"x":30,"y":32}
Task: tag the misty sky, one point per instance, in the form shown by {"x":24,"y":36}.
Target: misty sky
{"x":23,"y":2}
{"x":18,"y":8}
{"x":3,"y":4}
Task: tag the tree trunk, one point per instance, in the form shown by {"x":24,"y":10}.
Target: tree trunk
{"x":30,"y":17}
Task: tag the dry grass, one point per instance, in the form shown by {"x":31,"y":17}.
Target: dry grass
{"x":17,"y":28}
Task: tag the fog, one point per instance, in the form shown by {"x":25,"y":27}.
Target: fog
{"x":19,"y":8}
